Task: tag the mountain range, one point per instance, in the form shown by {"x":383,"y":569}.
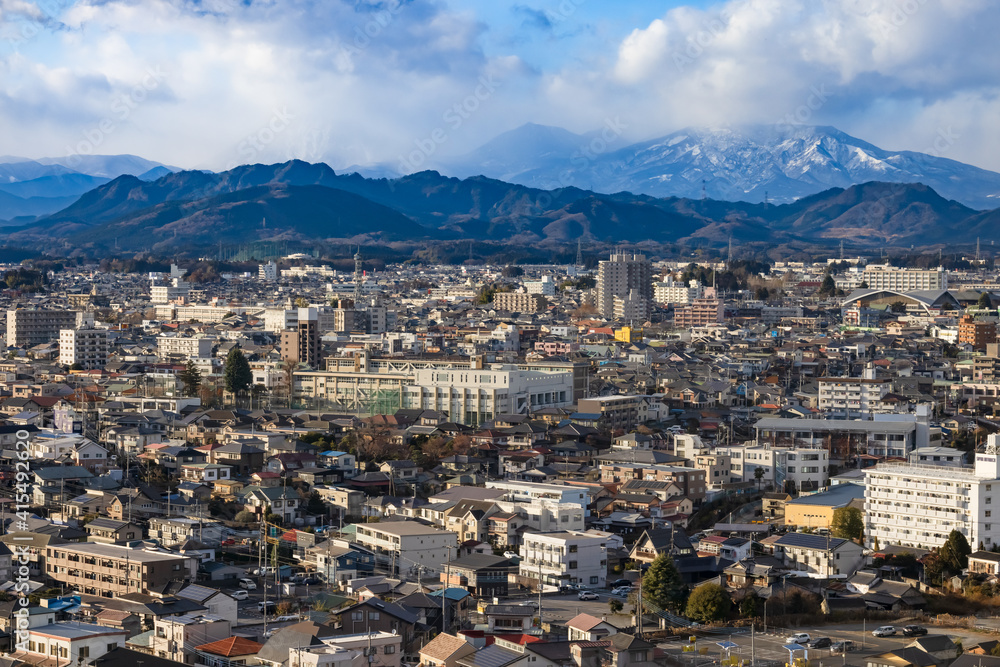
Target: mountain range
{"x":188,"y":211}
{"x":755,"y":163}
{"x":32,"y":188}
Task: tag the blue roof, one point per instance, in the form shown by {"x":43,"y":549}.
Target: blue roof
{"x":454,"y":594}
{"x":838,"y":495}
{"x":332,"y":453}
{"x":585,"y":415}
{"x":809,"y":541}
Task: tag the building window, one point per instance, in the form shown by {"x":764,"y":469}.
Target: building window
{"x":389,"y":650}
{"x":357,"y":616}
{"x":373,"y":616}
{"x":593,"y":580}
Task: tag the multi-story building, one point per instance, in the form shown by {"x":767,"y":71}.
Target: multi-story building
{"x":701,"y":312}
{"x":27,"y":327}
{"x":518,"y":302}
{"x":691,"y":481}
{"x":848,"y":398}
{"x":566,"y":557}
{"x":301,"y":344}
{"x":979,"y":333}
{"x":267,"y":272}
{"x":918,"y":505}
{"x":177,"y":289}
{"x":110,"y":570}
{"x":185,"y":347}
{"x":545,"y":286}
{"x":175,"y":637}
{"x":87,"y":348}
{"x":408,"y":546}
{"x":673,"y":291}
{"x":884,"y":435}
{"x":69,"y":643}
{"x":819,"y":556}
{"x":627,"y":276}
{"x":804,"y":468}
{"x":616,"y":412}
{"x":894,"y":279}
{"x":178,"y":530}
{"x":529,"y":492}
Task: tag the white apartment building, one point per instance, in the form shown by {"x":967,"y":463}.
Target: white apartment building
{"x":566,"y":557}
{"x":86,"y":347}
{"x":918,"y":505}
{"x":818,"y":556}
{"x":529,"y":492}
{"x":185,"y":346}
{"x":884,"y":435}
{"x":277,"y":320}
{"x":807,"y":468}
{"x":849,"y":398}
{"x":673,"y":291}
{"x":884,"y":277}
{"x":546,"y":515}
{"x":268,"y":272}
{"x":407,"y":546}
{"x":473,"y":396}
{"x":545,"y":286}
{"x":162,"y":293}
{"x":177,"y":530}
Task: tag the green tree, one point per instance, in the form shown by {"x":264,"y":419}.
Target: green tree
{"x":615,"y":605}
{"x":751,"y":605}
{"x":758,"y":474}
{"x":237,"y":372}
{"x":243,"y":516}
{"x":848,"y":523}
{"x":315,"y":504}
{"x":708,"y":602}
{"x":954,"y":553}
{"x":984,"y":302}
{"x":662,"y":585}
{"x":190,"y":378}
{"x":828,"y":286}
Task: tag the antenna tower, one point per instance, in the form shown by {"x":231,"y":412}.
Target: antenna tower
{"x":359,"y":277}
{"x":579,"y":253}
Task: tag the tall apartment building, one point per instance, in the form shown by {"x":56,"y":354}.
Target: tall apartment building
{"x":977,"y":332}
{"x":110,"y":570}
{"x":267,"y":272}
{"x":301,"y":344}
{"x":85,"y":347}
{"x":701,"y":312}
{"x":518,"y":302}
{"x":408,"y":546}
{"x":673,"y":291}
{"x":545,"y":286}
{"x":918,"y":505}
{"x":628,"y":277}
{"x":30,"y":327}
{"x":884,"y":277}
{"x":176,"y":288}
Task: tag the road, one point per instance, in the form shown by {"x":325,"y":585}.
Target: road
{"x":768,"y":646}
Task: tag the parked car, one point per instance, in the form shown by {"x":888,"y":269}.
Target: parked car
{"x":588,"y":595}
{"x":620,"y":582}
{"x":286,"y":617}
{"x":228,"y":543}
{"x":622,"y":591}
{"x":819,"y":642}
{"x":914,"y":631}
{"x":511,"y":554}
{"x":239,"y":594}
{"x":248,"y":584}
{"x":267,"y":605}
{"x":798,"y":638}
{"x":884,"y":631}
{"x":843,"y":646}
{"x":529,"y":603}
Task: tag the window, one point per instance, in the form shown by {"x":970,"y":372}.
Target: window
{"x":389,"y":650}
{"x":357,"y":616}
{"x":593,"y":580}
{"x":112,"y":646}
{"x":572,"y":565}
{"x":373,"y":616}
{"x":573,"y":548}
{"x":84,"y":652}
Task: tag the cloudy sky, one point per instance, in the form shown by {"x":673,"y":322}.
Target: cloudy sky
{"x":214,"y":83}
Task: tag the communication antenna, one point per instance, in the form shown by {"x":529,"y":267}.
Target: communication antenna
{"x":359,"y":277}
{"x":579,"y":253}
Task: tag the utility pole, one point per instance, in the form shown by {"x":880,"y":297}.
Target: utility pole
{"x":444,"y":597}
{"x":638,"y":609}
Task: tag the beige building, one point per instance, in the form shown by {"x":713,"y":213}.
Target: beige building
{"x":30,"y":327}
{"x":111,"y":569}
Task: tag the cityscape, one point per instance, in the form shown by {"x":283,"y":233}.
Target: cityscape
{"x":520,"y":334}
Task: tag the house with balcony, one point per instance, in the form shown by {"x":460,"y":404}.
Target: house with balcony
{"x":205,"y":473}
{"x":483,"y":575}
{"x":110,"y":531}
{"x":818,"y":555}
{"x":670,"y":540}
{"x":568,"y":557}
{"x":277,"y":499}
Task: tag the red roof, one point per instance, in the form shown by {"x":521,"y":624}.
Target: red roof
{"x":232,"y":647}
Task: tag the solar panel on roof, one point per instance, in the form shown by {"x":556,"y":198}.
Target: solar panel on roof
{"x":807,"y":541}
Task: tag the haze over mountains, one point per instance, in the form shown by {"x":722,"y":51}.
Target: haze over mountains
{"x":745,"y":163}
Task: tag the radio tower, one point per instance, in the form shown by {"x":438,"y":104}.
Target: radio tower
{"x":359,"y":278}
{"x":579,"y":253}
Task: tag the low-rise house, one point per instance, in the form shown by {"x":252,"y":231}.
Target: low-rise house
{"x":818,"y":555}
{"x":217,"y":602}
{"x":984,"y":562}
{"x":282,"y":501}
{"x":375,"y":615}
{"x":587,"y":628}
{"x":445,"y":650}
{"x":481,"y":574}
{"x":509,"y":618}
{"x":69,"y":642}
{"x":110,"y":531}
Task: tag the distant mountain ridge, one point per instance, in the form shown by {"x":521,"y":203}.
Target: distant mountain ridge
{"x":754,"y":163}
{"x":192,"y":210}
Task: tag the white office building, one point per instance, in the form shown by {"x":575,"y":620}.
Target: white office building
{"x":544,"y":287}
{"x":895,"y":279}
{"x":672,"y":291}
{"x":919,"y":504}
{"x":186,"y":347}
{"x":169,"y":292}
{"x":808,"y":469}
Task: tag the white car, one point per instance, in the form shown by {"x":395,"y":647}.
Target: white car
{"x":622,"y":591}
{"x":798,"y":638}
{"x":240,"y":594}
{"x":267,"y":605}
{"x":248,"y":584}
{"x":511,"y":554}
{"x":884,"y":631}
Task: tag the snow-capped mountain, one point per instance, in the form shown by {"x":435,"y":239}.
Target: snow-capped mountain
{"x":779,"y":162}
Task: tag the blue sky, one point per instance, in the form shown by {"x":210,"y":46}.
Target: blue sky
{"x":214,"y":83}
